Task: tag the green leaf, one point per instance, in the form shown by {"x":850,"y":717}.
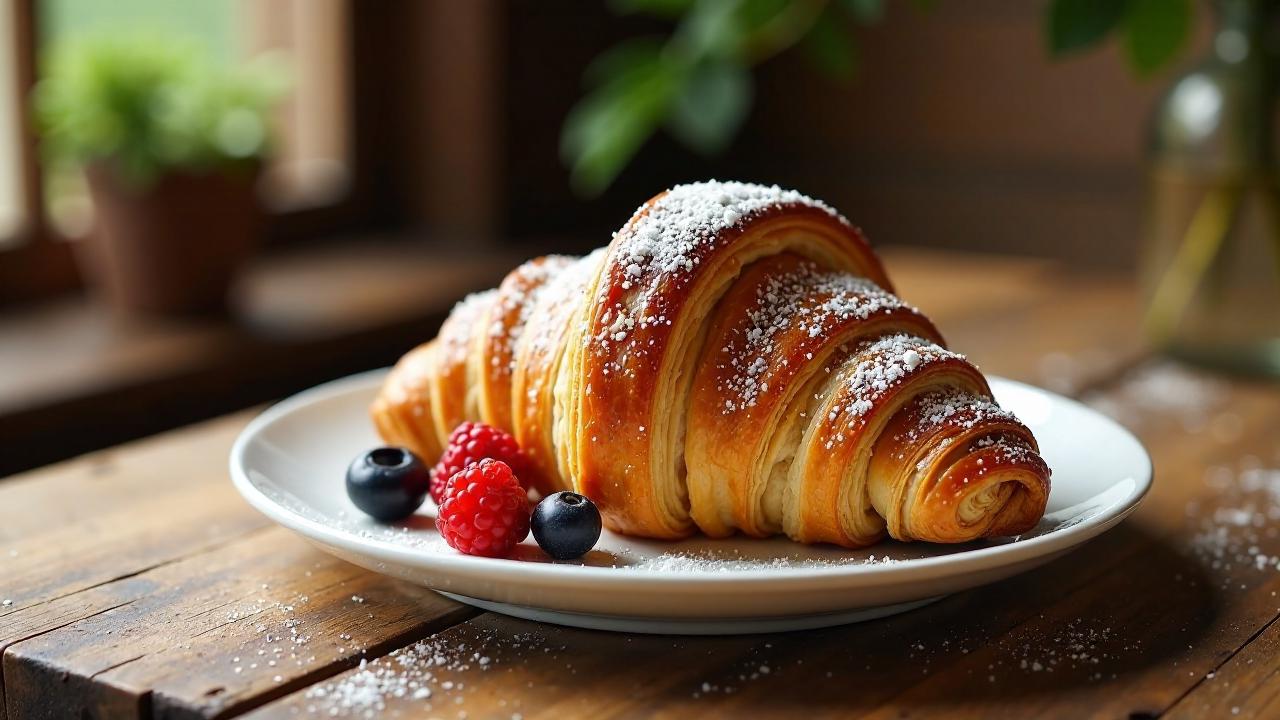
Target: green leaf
{"x":637,"y":55}
{"x":1078,"y":24}
{"x":713,"y":29}
{"x":830,"y":48}
{"x":1154,"y":32}
{"x":754,"y":14}
{"x":607,"y":127}
{"x":867,"y":12}
{"x":711,"y":105}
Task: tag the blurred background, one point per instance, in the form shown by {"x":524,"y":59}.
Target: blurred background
{"x":211,"y":203}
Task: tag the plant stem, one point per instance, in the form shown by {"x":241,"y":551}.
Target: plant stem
{"x":1201,"y":243}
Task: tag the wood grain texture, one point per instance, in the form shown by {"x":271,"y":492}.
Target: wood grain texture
{"x":1172,"y":612}
{"x":1129,"y":624}
{"x":127,"y":579}
{"x":218,"y":632}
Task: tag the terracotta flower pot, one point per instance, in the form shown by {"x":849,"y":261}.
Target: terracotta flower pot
{"x":173,"y":247}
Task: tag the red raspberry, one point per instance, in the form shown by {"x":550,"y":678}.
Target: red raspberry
{"x":471,"y":443}
{"x":485,"y":511}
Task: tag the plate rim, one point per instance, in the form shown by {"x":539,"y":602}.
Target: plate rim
{"x":757,"y":579}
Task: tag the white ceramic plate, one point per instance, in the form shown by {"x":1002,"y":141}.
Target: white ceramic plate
{"x":289,"y":463}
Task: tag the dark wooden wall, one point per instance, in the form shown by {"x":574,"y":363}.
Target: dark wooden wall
{"x":963,"y":133}
{"x":959,"y":130}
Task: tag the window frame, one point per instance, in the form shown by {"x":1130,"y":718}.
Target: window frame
{"x":40,"y":262}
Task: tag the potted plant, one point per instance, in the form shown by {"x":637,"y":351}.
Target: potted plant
{"x":170,"y":148}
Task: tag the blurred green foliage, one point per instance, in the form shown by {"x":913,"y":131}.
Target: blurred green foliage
{"x":217,"y":26}
{"x":696,"y":83}
{"x":1152,"y":32}
{"x":148,"y":103}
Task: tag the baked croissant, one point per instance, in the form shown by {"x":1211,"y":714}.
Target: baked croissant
{"x":733,"y":361}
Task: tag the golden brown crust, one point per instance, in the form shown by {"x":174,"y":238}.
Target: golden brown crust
{"x":537,"y":361}
{"x":833,"y":488}
{"x":952,"y":467}
{"x":402,"y":410}
{"x":632,"y":359}
{"x":734,"y":361}
{"x":502,"y":328}
{"x":774,"y":338}
{"x":455,"y":382}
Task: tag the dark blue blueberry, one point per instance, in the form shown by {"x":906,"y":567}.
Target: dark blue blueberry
{"x":566,"y":525}
{"x":388,"y":483}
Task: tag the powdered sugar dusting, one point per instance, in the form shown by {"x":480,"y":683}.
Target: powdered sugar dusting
{"x":666,"y":239}
{"x":515,"y":303}
{"x":559,"y":296}
{"x":806,"y":300}
{"x":662,"y":237}
{"x":887,"y":361}
{"x":705,"y":561}
{"x":430,"y":675}
{"x":465,"y":315}
{"x":1011,"y":449}
{"x":965,"y":408}
{"x":555,"y":305}
{"x":881,"y":365}
{"x":1239,"y":530}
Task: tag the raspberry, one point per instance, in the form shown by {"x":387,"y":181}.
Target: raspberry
{"x":485,"y":511}
{"x":470,"y":443}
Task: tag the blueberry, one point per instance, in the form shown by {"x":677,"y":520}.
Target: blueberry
{"x":566,"y":525}
{"x":388,"y":483}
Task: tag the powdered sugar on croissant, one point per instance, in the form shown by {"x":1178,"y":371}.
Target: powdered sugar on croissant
{"x":734,"y":361}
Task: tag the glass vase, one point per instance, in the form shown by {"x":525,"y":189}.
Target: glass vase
{"x":1210,"y":264}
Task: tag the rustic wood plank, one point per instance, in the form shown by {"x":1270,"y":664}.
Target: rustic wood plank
{"x":549,"y":671}
{"x":1127,"y":624}
{"x":1167,"y":616}
{"x":650,"y":680}
{"x":1248,"y":686}
{"x":215,"y":633}
{"x":111,"y":515}
{"x":107,"y":516}
{"x":151,"y":673}
{"x":1026,"y":319}
{"x":79,"y":490}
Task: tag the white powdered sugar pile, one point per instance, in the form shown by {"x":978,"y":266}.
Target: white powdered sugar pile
{"x":1241,"y":531}
{"x":807,"y":300}
{"x":663,"y":237}
{"x":664,"y":242}
{"x":939,"y":407}
{"x":430,"y":675}
{"x":885,"y":363}
{"x":1014,"y":450}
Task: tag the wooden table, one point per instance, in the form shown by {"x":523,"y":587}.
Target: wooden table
{"x":136,"y":583}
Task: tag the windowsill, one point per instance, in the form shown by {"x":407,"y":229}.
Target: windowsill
{"x":73,"y":378}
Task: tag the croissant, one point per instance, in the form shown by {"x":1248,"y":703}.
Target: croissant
{"x":734,"y":360}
